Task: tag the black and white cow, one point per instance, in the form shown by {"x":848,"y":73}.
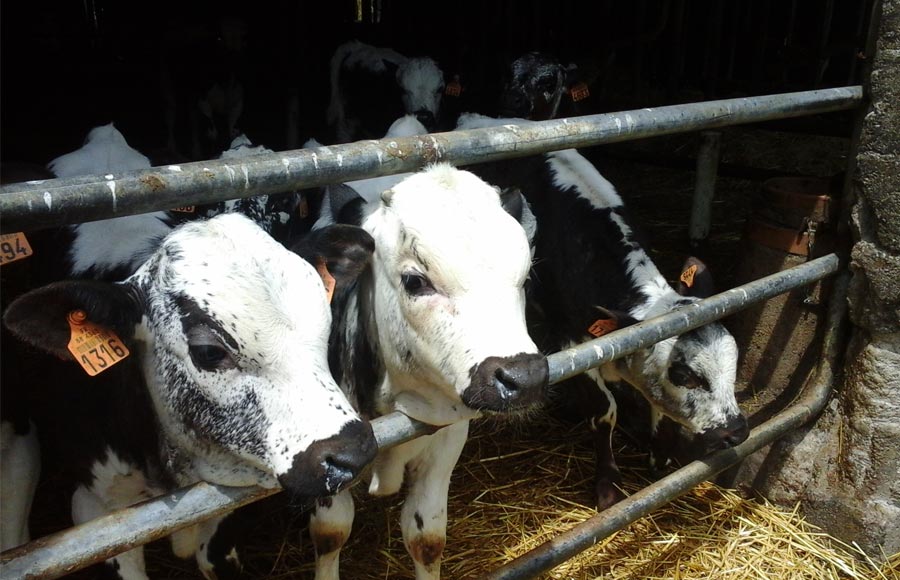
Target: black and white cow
{"x":285,"y":216}
{"x":538,"y":87}
{"x":591,"y":274}
{"x":227,"y":381}
{"x":434,"y":329}
{"x":372,"y":86}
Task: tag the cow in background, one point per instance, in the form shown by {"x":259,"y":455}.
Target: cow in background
{"x":592,"y":275}
{"x":372,"y":86}
{"x":538,"y":87}
{"x":203,"y":64}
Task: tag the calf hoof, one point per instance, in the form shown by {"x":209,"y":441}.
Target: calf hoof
{"x":608,"y":493}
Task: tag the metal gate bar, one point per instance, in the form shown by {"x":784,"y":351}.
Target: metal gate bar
{"x":98,"y":539}
{"x":26,"y":206}
{"x":595,"y":529}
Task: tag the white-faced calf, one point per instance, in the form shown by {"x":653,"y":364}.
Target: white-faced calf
{"x":592,"y":275}
{"x":227,"y":381}
{"x":435,"y":329}
{"x":372,"y":86}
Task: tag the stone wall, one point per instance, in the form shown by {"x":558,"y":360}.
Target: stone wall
{"x":846,"y":468}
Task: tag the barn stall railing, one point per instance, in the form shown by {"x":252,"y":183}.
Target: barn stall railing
{"x":94,"y":541}
{"x":32,"y":205}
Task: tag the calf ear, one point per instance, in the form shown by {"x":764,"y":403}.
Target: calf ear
{"x":515,"y":204}
{"x":695,"y":279}
{"x":338,"y":250}
{"x":610,"y":320}
{"x":344,"y":202}
{"x":40,"y":317}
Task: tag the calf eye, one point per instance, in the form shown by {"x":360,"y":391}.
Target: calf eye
{"x":416,"y":284}
{"x":210,"y":357}
{"x":680,"y":374}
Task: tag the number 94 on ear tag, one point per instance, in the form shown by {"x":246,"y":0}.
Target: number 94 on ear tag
{"x":13,"y":247}
{"x":94,"y":347}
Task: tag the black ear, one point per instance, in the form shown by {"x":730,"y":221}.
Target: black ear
{"x":513,"y":201}
{"x":40,"y":317}
{"x":343,"y":201}
{"x":390,"y":66}
{"x":695,"y":279}
{"x":343,"y":250}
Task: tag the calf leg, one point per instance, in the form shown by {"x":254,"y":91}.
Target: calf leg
{"x":20,"y":467}
{"x":608,"y":478}
{"x":217,"y":553}
{"x":423,"y":519}
{"x":329,"y":527}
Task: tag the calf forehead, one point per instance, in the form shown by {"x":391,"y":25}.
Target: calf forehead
{"x":235,"y":272}
{"x":447,"y":216}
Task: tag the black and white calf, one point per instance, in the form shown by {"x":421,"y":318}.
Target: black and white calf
{"x":227,"y":381}
{"x":372,"y":86}
{"x":536,"y":86}
{"x":592,"y":275}
{"x":435,"y":329}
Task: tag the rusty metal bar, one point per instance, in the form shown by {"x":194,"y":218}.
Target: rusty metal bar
{"x":34,"y":205}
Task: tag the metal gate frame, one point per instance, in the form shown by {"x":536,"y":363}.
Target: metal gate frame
{"x":41,"y":204}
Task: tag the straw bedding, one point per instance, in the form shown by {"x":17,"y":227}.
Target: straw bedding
{"x":521,"y":483}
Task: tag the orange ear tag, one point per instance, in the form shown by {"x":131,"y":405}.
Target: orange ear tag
{"x":603,"y":326}
{"x":303,"y":207}
{"x":14,"y":247}
{"x":184,"y":209}
{"x":579,"y":92}
{"x":95,"y":348}
{"x":453,"y":89}
{"x":327,"y":279}
{"x":688,"y":275}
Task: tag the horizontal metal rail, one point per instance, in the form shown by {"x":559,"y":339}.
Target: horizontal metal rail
{"x":98,"y":539}
{"x":34,"y":205}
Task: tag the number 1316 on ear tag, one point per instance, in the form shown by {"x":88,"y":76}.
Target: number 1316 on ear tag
{"x":94,"y":347}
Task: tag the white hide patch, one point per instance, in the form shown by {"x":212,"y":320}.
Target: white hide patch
{"x":279,"y":396}
{"x":447,"y":225}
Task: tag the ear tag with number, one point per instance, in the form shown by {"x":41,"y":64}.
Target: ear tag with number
{"x":327,"y":278}
{"x":14,"y":247}
{"x":579,"y":92}
{"x":95,"y":348}
{"x":688,"y":275}
{"x":184,"y":209}
{"x":603,"y":326}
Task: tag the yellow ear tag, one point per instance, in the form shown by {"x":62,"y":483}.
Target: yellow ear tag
{"x":688,"y":275}
{"x":95,"y":348}
{"x":579,"y":92}
{"x":327,"y":279}
{"x":14,"y":247}
{"x":184,"y":209}
{"x":603,"y":326}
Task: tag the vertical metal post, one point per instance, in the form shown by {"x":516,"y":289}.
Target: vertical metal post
{"x":704,"y":187}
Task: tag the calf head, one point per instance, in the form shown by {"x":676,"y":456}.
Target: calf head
{"x":231,"y":330}
{"x":533,"y":87}
{"x":690,"y":378}
{"x":448,"y":300}
{"x":421,"y":82}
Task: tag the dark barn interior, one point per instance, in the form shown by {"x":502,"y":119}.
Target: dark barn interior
{"x":68,"y":67}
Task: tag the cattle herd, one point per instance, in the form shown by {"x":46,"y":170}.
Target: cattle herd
{"x":251,"y":342}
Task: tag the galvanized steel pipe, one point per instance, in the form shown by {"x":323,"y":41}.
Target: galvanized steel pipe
{"x":595,"y":529}
{"x":97,"y":540}
{"x":34,"y":205}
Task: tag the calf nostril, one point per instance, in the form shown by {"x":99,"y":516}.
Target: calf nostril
{"x":506,"y":381}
